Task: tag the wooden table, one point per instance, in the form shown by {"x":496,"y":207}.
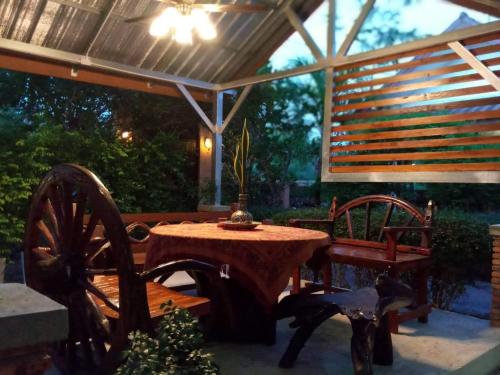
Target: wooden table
{"x":258,"y":264}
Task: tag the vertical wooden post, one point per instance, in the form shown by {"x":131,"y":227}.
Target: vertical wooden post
{"x":495,"y":276}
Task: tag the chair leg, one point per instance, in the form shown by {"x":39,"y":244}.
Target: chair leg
{"x":363,"y":334}
{"x":296,"y":281}
{"x":422,"y":276}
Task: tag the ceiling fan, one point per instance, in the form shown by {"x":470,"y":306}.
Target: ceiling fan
{"x":181,"y":17}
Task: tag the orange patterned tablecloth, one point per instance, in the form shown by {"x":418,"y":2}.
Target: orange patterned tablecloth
{"x":262,"y":259}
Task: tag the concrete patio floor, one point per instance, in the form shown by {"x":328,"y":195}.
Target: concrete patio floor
{"x":449,"y":343}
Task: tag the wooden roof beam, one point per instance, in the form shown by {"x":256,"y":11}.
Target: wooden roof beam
{"x":491,"y":7}
{"x":88,"y":75}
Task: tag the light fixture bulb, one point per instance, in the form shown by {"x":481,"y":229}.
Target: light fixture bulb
{"x":162,"y":24}
{"x":204,"y":26}
{"x":158,"y":28}
{"x":183,"y":30}
{"x":208,"y":143}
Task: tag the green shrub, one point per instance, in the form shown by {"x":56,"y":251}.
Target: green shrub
{"x":461,"y":254}
{"x":143,"y":175}
{"x":461,"y":249}
{"x":175,"y":351}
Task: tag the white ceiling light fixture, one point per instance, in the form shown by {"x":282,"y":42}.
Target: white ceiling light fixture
{"x":180,"y":21}
{"x":183,"y":17}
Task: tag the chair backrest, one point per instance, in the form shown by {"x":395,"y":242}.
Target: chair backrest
{"x":365,"y":218}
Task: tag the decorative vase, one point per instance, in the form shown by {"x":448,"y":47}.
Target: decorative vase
{"x":242,"y":215}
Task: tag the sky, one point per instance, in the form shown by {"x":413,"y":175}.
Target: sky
{"x":415,"y":15}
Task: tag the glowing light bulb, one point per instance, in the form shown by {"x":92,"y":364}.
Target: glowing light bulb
{"x":183,"y":30}
{"x":204,"y":26}
{"x":158,"y":28}
{"x":164,"y":22}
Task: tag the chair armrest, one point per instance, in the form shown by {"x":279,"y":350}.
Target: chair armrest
{"x":301,"y":222}
{"x":407,"y":229}
{"x":392,"y":233}
{"x":175,"y":266}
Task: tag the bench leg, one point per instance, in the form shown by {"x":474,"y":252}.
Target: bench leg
{"x":382,"y":347}
{"x":363,"y":334}
{"x":299,"y":339}
{"x":422,"y":276}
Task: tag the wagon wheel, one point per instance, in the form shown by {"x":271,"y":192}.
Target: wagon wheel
{"x":63,"y":255}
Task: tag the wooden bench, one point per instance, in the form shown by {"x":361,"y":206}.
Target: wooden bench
{"x":378,"y":247}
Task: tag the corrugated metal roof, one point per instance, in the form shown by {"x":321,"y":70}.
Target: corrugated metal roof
{"x":245,"y":40}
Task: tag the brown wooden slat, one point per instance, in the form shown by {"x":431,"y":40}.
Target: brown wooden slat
{"x":417,"y":121}
{"x":411,"y":87}
{"x":426,"y":60}
{"x":416,"y":109}
{"x":481,"y":39}
{"x":429,"y":132}
{"x":421,"y":51}
{"x":463,"y":141}
{"x":420,"y":62}
{"x":416,"y":98}
{"x":413,"y":75}
{"x":461,"y":167}
{"x":436,"y":155}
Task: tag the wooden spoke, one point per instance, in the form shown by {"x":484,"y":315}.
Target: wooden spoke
{"x":67,"y":211}
{"x":349,"y":223}
{"x":89,"y":231}
{"x":51,"y":216}
{"x":79,"y":212}
{"x":99,"y":294}
{"x":387,"y":218}
{"x":43,"y":253}
{"x":102,"y":323}
{"x":55,"y":199}
{"x":95,"y":250}
{"x":51,"y":238}
{"x":79,"y":317}
{"x":367,"y":221}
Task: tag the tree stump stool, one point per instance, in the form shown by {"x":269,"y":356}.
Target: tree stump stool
{"x":367,"y":311}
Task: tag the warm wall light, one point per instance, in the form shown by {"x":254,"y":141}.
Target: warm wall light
{"x":126,"y":135}
{"x":207,"y":142}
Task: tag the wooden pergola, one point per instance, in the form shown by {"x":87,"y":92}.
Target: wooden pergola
{"x":390,"y":114}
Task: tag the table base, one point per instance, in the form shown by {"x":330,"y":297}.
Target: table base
{"x":237,"y":316}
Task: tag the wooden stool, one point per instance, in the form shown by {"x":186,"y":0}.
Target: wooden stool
{"x":367,"y":311}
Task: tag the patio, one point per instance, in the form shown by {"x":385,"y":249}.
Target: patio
{"x":425,"y":111}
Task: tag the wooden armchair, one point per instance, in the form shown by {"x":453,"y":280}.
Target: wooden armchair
{"x":377,"y":247}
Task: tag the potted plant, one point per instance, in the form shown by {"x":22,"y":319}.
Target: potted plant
{"x":240,"y":165}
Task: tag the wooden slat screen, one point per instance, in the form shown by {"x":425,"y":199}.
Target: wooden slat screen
{"x":420,"y":111}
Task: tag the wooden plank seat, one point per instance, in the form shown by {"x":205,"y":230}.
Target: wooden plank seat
{"x":376,"y":244}
{"x":157,"y":294}
{"x":366,"y":309}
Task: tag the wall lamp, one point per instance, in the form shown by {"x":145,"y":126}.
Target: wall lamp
{"x":207,"y":142}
